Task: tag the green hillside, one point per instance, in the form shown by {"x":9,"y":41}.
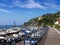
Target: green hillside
{"x":47,"y":19}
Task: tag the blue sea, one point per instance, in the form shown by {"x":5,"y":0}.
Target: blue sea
{"x":8,"y":26}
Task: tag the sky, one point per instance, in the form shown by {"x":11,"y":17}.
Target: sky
{"x":21,"y":11}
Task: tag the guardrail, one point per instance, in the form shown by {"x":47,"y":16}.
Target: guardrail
{"x":28,"y":38}
{"x":38,"y":34}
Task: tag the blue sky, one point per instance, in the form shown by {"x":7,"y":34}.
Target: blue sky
{"x":23,"y":10}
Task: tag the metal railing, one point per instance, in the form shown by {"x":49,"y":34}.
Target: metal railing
{"x":28,"y":39}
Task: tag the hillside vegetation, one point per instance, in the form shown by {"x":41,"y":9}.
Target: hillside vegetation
{"x":46,"y":19}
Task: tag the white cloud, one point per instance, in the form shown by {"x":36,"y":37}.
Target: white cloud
{"x":32,"y":4}
{"x":6,"y":11}
{"x":53,"y":5}
{"x":4,"y":5}
{"x":29,"y":4}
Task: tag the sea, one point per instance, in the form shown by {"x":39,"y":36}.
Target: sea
{"x":8,"y":26}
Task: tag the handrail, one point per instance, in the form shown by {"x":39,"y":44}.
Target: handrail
{"x":24,"y":37}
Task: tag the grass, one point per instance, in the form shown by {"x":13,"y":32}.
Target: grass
{"x":57,"y":27}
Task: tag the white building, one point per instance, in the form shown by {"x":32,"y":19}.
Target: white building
{"x":58,"y":21}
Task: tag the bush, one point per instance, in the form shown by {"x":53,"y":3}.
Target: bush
{"x":57,"y":26}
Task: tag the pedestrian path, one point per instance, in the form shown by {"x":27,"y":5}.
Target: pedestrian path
{"x":52,"y":38}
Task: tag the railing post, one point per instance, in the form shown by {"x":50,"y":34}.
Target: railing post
{"x":34,"y":38}
{"x":24,"y":39}
{"x":38,"y":33}
{"x":13,"y":43}
{"x":30,"y":39}
{"x":1,"y":44}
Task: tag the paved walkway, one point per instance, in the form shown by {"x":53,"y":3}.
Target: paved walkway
{"x":51,"y":38}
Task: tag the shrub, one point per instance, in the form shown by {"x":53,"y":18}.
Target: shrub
{"x":57,"y":26}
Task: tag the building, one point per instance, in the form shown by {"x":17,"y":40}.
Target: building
{"x":58,"y":21}
{"x":39,"y":18}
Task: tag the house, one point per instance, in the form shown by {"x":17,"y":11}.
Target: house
{"x":39,"y":18}
{"x":58,"y":21}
